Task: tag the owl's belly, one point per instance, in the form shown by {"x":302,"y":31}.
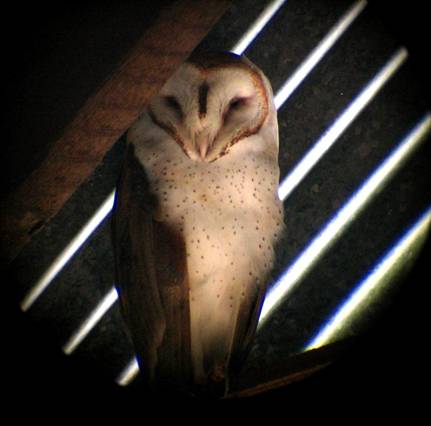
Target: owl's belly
{"x":227,"y":243}
{"x":228,"y":224}
{"x":228,"y":257}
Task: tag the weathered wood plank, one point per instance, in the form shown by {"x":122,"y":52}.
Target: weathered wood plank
{"x":103,"y":119}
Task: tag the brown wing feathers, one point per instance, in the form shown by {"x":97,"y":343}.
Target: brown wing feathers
{"x":151,"y":275}
{"x":245,"y":327}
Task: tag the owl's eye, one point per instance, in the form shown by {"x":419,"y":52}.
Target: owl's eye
{"x":174,"y":104}
{"x":237,"y":103}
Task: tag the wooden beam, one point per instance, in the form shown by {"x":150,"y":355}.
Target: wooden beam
{"x":103,"y":119}
{"x":298,"y":367}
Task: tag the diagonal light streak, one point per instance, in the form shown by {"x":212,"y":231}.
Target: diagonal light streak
{"x":129,"y":373}
{"x":81,"y":333}
{"x":374,"y":279}
{"x":257,"y":26}
{"x":319,"y":52}
{"x":74,"y":245}
{"x":331,"y":135}
{"x":345,"y":216}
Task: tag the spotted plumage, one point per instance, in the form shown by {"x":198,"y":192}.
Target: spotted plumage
{"x":196,"y":219}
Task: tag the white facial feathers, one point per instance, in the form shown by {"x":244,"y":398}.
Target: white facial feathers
{"x":208,"y":107}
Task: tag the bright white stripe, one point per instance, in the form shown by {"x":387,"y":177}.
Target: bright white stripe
{"x":81,"y":333}
{"x":257,"y":26}
{"x":331,"y":135}
{"x":318,"y":52}
{"x":129,"y":373}
{"x":340,"y":221}
{"x":375,"y":277}
{"x":61,"y":260}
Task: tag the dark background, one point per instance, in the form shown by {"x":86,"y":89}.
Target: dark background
{"x":385,"y":370}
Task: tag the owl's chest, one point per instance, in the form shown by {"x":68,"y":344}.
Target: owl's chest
{"x":214,"y":190}
{"x":227,"y":210}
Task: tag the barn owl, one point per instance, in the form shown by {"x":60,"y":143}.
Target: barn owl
{"x":196,"y":217}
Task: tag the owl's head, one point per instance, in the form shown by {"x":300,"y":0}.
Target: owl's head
{"x":212,"y":102}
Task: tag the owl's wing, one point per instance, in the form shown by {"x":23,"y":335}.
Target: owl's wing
{"x":246,"y":324}
{"x":151,"y":275}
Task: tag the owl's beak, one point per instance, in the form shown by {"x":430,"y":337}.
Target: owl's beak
{"x":203,"y":145}
{"x":203,"y":148}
